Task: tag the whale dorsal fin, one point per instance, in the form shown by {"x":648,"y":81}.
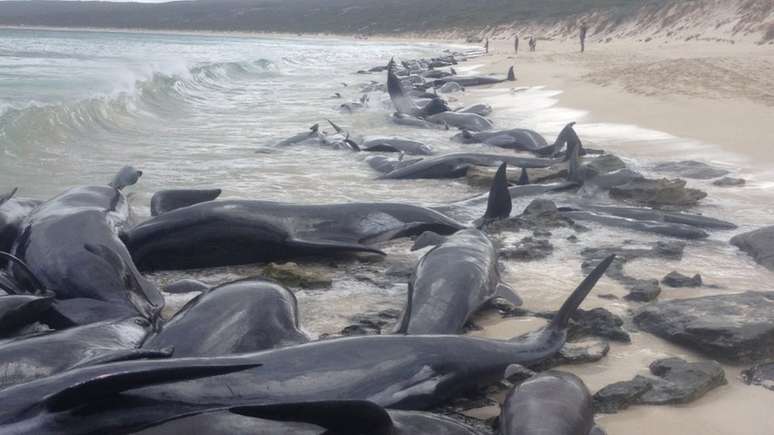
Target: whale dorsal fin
{"x":562,"y":318}
{"x":7,"y":196}
{"x":340,"y":417}
{"x":523,"y":178}
{"x":335,"y":127}
{"x":511,"y":74}
{"x":499,"y":204}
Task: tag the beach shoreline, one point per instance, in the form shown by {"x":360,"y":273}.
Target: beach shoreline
{"x":719,"y":94}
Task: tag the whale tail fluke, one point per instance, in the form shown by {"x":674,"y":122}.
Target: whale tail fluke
{"x":511,"y":74}
{"x":562,"y":318}
{"x":127,"y":176}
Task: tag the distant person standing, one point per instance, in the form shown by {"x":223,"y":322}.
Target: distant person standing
{"x":583,"y":29}
{"x":532,"y":43}
{"x":516,"y":44}
{"x":486,"y":46}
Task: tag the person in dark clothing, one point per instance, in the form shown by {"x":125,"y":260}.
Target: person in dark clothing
{"x":532,"y":43}
{"x":516,"y":44}
{"x":583,"y":29}
{"x":486,"y":46}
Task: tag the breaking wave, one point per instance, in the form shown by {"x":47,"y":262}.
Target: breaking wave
{"x":153,"y":99}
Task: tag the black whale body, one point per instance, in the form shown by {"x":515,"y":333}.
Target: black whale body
{"x":220,"y":233}
{"x":400,"y":372}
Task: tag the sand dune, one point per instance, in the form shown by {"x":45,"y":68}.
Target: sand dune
{"x":728,"y":21}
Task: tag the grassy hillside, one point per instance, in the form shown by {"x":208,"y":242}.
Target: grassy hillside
{"x":308,"y":16}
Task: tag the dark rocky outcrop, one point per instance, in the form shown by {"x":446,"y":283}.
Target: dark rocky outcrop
{"x":735,"y":328}
{"x":597,"y":322}
{"x":641,"y":290}
{"x":540,"y":216}
{"x":528,"y":249}
{"x":761,"y":374}
{"x":585,"y":351}
{"x":691,"y":169}
{"x":678,"y":280}
{"x":729,"y":182}
{"x":603,"y":164}
{"x":682,"y":382}
{"x":658,"y":193}
{"x":621,"y":395}
{"x":677,"y":382}
{"x":759,"y":244}
{"x":372,"y":323}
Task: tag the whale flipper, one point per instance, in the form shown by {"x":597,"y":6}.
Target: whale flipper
{"x":108,"y":255}
{"x":523,"y":178}
{"x":128,"y":355}
{"x":328,"y":244}
{"x":511,"y":74}
{"x":142,"y":374}
{"x":32,"y":279}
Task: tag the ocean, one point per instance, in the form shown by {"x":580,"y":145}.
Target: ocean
{"x":205,"y":111}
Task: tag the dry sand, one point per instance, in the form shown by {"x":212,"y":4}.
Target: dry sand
{"x":718,"y":93}
{"x":715,"y":93}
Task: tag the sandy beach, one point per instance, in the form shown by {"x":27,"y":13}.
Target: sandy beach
{"x":715,"y":92}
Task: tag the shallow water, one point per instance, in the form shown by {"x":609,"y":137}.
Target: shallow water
{"x":191,"y":111}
